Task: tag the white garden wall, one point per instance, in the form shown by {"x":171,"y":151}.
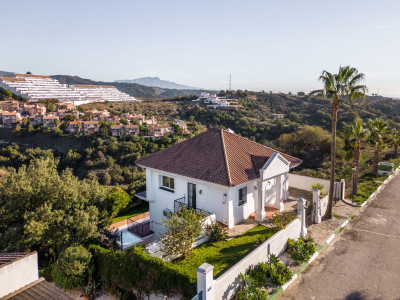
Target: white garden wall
{"x":305,"y":182}
{"x":227,"y":284}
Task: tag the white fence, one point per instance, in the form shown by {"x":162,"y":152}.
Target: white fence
{"x":226,"y":286}
{"x":305,"y":182}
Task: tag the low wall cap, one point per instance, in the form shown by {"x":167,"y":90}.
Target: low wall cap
{"x":205,"y":268}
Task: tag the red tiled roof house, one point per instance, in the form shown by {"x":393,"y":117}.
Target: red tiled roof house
{"x":220,"y":172}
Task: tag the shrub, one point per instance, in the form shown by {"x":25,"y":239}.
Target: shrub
{"x":248,"y":290}
{"x":183,"y":228}
{"x":216,"y":232}
{"x":302,"y":249}
{"x":283,"y":219}
{"x":271,"y":272}
{"x":72,"y":268}
{"x":135,"y":269}
{"x":117,"y":200}
{"x":319,"y":187}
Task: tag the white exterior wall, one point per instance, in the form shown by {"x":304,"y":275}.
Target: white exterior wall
{"x":242,"y":212}
{"x":211,"y":199}
{"x":305,"y":182}
{"x":18,"y":274}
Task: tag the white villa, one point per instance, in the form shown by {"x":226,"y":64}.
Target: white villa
{"x":217,"y":171}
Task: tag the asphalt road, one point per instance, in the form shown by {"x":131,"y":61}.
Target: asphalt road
{"x":363,"y":262}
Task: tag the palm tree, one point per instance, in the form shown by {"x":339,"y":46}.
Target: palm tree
{"x":355,"y":134}
{"x":379,"y":134}
{"x":395,"y":141}
{"x":338,"y":87}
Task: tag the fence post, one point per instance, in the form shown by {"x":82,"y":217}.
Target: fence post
{"x":343,"y":186}
{"x":205,"y":281}
{"x":301,"y":213}
{"x":316,"y":194}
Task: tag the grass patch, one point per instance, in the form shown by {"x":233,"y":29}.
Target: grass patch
{"x":131,"y":212}
{"x":224,"y":254}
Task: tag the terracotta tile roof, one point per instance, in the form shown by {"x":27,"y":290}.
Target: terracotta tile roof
{"x":38,"y":290}
{"x":7,"y":258}
{"x":31,"y":75}
{"x":117,"y":126}
{"x":216,"y":156}
{"x":90,"y":122}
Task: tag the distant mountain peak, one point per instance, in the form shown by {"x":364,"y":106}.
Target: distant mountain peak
{"x":157,"y":82}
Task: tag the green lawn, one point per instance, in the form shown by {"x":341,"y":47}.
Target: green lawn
{"x":131,"y":212}
{"x":223,"y":255}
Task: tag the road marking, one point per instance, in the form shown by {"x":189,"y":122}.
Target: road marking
{"x":389,"y":235}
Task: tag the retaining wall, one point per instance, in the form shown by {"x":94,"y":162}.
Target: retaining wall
{"x":305,"y":182}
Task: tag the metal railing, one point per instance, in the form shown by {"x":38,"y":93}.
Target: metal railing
{"x":141,"y":229}
{"x":179,"y":203}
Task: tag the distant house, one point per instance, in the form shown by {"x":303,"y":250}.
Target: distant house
{"x":90,"y":127}
{"x":124,"y":130}
{"x":99,"y":115}
{"x":33,"y":109}
{"x":64,"y":105}
{"x":181,"y":124}
{"x":62,"y":113}
{"x":160,"y":130}
{"x":117,"y":130}
{"x":9,"y":105}
{"x":74,"y":127}
{"x":150,"y":121}
{"x":278,"y":116}
{"x":36,"y":120}
{"x":10,"y":119}
{"x":19,"y":279}
{"x":50,"y":121}
{"x":217,"y":171}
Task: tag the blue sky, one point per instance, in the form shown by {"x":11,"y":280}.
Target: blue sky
{"x":266,"y":45}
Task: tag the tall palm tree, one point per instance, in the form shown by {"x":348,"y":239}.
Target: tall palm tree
{"x":379,"y":134}
{"x":338,"y":87}
{"x":355,"y":134}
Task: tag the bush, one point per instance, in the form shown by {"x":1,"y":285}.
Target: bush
{"x":135,"y":269}
{"x":216,"y":232}
{"x":117,"y":200}
{"x":72,"y":268}
{"x":183,"y":228}
{"x":283,"y":219}
{"x":248,"y":290}
{"x":271,"y":272}
{"x":302,"y":249}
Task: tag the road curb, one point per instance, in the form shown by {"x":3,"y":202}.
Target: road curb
{"x":304,"y":266}
{"x":307,"y":263}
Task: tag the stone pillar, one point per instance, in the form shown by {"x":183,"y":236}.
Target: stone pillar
{"x":261,"y":215}
{"x":343,"y":191}
{"x":205,"y":281}
{"x":316,"y":194}
{"x":301,"y":213}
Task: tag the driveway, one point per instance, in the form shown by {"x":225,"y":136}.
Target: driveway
{"x":363,"y":262}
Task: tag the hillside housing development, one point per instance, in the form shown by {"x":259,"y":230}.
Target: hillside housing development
{"x":14,"y":113}
{"x":38,"y":87}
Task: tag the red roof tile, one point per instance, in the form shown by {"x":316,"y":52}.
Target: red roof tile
{"x":216,"y":156}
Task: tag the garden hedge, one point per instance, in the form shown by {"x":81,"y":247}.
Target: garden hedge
{"x":135,"y":269}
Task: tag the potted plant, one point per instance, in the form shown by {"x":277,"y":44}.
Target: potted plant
{"x":90,"y":291}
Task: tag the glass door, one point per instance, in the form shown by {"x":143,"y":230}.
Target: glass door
{"x":191,"y":195}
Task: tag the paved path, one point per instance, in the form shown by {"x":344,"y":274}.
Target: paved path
{"x":363,"y":262}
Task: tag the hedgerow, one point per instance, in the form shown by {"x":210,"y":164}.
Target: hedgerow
{"x":135,"y":269}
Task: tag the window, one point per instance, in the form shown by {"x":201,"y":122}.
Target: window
{"x":242,"y":196}
{"x":167,"y":183}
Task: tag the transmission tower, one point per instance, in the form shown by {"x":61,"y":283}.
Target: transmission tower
{"x":230,"y":82}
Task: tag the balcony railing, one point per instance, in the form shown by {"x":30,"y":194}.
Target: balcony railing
{"x":141,"y":229}
{"x":179,"y":203}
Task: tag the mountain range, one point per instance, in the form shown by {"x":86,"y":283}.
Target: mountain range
{"x":157,"y":82}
